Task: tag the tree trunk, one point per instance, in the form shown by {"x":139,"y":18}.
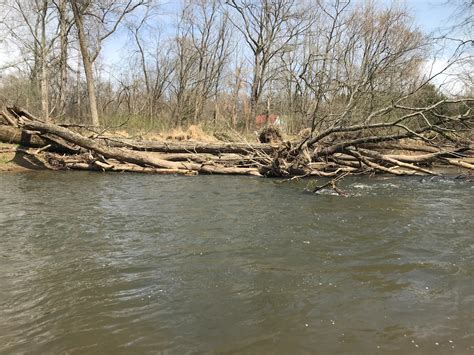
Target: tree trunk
{"x":87,"y":62}
{"x":129,"y":156}
{"x":188,"y":147}
{"x":44,"y":66}
{"x":255,"y":94}
{"x":63,"y":56}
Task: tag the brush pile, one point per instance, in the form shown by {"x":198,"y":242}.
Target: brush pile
{"x":391,"y":147}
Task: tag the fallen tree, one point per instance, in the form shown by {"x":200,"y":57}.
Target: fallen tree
{"x":409,"y":144}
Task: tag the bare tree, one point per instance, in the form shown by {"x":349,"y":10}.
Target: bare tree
{"x":155,"y":65}
{"x":325,"y":65}
{"x":105,"y":16}
{"x":366,"y":58}
{"x":269,"y":27}
{"x":210,"y":40}
{"x":202,"y":48}
{"x":64,"y":29}
{"x":35,"y":39}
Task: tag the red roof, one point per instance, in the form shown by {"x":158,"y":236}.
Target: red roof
{"x":264,"y":119}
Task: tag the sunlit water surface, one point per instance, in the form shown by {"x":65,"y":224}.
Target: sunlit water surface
{"x":110,"y":263}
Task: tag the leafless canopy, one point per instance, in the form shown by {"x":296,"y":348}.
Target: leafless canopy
{"x":325,"y":65}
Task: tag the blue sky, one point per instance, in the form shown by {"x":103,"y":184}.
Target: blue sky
{"x":431,"y":14}
{"x":428,"y":15}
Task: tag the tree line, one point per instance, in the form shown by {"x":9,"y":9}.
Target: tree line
{"x":316,"y":63}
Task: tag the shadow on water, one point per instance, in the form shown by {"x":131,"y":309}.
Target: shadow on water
{"x":95,"y":263}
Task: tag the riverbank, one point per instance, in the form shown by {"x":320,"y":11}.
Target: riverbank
{"x":11,"y":160}
{"x":14,"y":161}
{"x":334,"y":153}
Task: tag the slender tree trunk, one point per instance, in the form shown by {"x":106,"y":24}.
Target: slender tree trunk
{"x":44,"y":66}
{"x":255,"y":94}
{"x":78,"y":88}
{"x":44,"y":91}
{"x":216,"y":103}
{"x":197,"y":106}
{"x":63,"y":56}
{"x":87,"y":62}
{"x":235,"y":95}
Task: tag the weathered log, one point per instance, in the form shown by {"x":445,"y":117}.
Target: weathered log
{"x":14,"y":135}
{"x":189,"y":147}
{"x":223,"y":159}
{"x":401,"y":146}
{"x":6,"y":116}
{"x":125,"y":155}
{"x":395,"y":162}
{"x":98,"y":166}
{"x":423,"y":158}
{"x":330,"y":158}
{"x":392,"y":170}
{"x":460,"y":163}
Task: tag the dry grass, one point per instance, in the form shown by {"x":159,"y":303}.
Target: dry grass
{"x":192,"y":133}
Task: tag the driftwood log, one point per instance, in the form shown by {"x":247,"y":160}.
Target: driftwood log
{"x":387,"y":147}
{"x":187,"y":147}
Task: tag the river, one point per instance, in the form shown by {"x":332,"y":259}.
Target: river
{"x":97,"y":263}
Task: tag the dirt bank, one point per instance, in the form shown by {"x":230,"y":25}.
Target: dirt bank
{"x":13,"y":161}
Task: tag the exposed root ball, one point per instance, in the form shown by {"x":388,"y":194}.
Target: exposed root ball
{"x":304,"y":133}
{"x":270,"y":134}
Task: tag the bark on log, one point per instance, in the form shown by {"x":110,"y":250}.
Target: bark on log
{"x":188,"y":147}
{"x":130,"y":156}
{"x":124,"y":168}
{"x":332,"y":158}
{"x":6,"y":116}
{"x":460,"y":163}
{"x":231,"y":158}
{"x":392,"y":170}
{"x":396,"y":162}
{"x":14,"y":135}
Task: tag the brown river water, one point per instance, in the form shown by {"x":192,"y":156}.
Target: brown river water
{"x":96,"y":263}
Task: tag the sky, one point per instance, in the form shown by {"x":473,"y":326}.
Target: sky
{"x":428,"y":15}
{"x":431,"y":14}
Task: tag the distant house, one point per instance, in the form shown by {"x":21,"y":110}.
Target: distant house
{"x":265,"y":120}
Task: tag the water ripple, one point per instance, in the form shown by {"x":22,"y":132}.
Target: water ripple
{"x":97,"y":263}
